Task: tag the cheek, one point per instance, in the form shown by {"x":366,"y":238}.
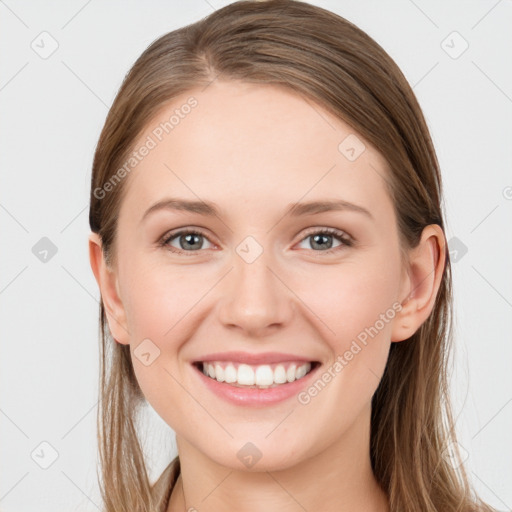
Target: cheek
{"x":350,"y":297}
{"x":157,"y":308}
{"x":356,"y":316}
{"x":158,"y":299}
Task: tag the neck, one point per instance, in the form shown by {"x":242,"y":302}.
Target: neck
{"x":338,"y":478}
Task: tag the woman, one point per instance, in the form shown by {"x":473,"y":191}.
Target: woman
{"x":269,"y":244}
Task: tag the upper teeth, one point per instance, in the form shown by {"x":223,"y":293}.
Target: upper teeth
{"x":260,"y":375}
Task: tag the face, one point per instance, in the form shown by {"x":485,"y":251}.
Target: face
{"x":308,"y":284}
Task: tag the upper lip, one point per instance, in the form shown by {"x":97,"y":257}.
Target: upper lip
{"x":248,"y":358}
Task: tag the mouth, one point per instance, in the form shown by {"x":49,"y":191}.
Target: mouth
{"x":252,"y":376}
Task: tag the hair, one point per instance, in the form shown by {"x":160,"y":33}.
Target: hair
{"x":330,"y":61}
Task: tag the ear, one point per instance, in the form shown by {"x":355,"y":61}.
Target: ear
{"x":107,"y":282}
{"x":421,"y":282}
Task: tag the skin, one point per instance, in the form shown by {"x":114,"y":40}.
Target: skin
{"x":253,"y":150}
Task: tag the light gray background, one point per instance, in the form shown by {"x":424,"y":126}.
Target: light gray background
{"x":51,"y":112}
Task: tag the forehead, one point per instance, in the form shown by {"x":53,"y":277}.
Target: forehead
{"x":253,"y":145}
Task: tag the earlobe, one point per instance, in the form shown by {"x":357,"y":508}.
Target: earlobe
{"x":422,"y":281}
{"x":107,"y":283}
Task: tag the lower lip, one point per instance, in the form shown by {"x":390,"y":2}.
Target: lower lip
{"x":255,"y":396}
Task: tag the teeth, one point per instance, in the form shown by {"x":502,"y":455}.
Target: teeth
{"x":262,"y":376}
{"x":279,"y":374}
{"x":230,"y":374}
{"x":291,"y":373}
{"x":245,"y":375}
{"x":300,"y":372}
{"x":219,"y":373}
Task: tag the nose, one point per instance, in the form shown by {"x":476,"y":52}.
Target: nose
{"x":255,"y":300}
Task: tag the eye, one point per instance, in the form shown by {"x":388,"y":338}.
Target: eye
{"x":192,"y":240}
{"x":322,"y":239}
{"x":189,"y":240}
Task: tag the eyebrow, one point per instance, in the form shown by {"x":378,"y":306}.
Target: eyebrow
{"x":295,"y":209}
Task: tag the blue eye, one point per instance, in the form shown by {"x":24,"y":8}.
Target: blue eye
{"x":191,"y":241}
{"x":322,"y":238}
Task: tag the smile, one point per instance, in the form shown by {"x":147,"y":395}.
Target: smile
{"x":256,"y":376}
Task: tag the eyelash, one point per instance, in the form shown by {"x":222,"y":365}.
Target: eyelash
{"x":345,"y":240}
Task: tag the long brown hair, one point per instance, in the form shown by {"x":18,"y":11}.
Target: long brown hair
{"x":331,"y":62}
